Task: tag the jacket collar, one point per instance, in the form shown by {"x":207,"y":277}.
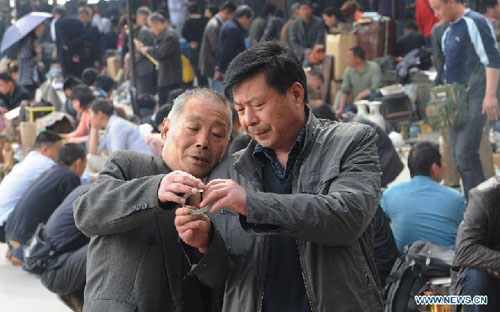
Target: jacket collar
{"x":248,"y":166}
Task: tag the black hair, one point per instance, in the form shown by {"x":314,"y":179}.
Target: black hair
{"x":334,"y":11}
{"x":306,"y":3}
{"x":46,"y":138}
{"x":60,"y":10}
{"x":411,"y":24}
{"x":157,"y":18}
{"x":243,"y":10}
{"x":193,"y":8}
{"x":6,"y":77}
{"x":421,"y":158}
{"x":102,"y":105}
{"x":228,"y":6}
{"x":104,"y":82}
{"x":69,"y":153}
{"x":275,"y":59}
{"x":70,"y":82}
{"x":89,"y":75}
{"x":269,"y":8}
{"x":359,"y":52}
{"x":213,"y":9}
{"x":279,"y":13}
{"x":324,"y":112}
{"x":162,"y":113}
{"x":83,"y":94}
{"x":146,"y":101}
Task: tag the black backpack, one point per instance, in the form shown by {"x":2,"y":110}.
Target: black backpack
{"x":420,"y":262}
{"x":37,"y":252}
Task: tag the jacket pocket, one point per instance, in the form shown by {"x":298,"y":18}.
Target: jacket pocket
{"x":318,"y":182}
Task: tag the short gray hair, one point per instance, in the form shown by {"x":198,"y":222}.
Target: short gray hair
{"x":144,"y":10}
{"x":203,"y":93}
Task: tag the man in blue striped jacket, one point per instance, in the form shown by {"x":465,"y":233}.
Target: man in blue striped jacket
{"x":471,"y":59}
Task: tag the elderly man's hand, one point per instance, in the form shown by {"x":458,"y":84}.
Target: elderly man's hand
{"x":225,"y":193}
{"x":193,"y":230}
{"x":176,"y":183}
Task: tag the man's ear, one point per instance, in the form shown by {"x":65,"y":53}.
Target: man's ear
{"x":298,"y":93}
{"x":165,"y":127}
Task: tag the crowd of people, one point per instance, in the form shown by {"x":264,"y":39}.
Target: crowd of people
{"x":228,"y":182}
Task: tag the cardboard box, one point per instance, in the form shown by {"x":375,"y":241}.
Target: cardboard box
{"x":338,"y":45}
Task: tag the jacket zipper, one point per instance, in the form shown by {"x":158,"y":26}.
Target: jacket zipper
{"x":263,"y":285}
{"x":308,"y":292}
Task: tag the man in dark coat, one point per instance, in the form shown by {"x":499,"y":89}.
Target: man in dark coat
{"x":478,"y":246}
{"x":44,"y":196}
{"x":168,"y":53}
{"x":135,"y":259}
{"x":11,"y":95}
{"x":232,"y":39}
{"x":69,"y":45}
{"x":291,"y":225}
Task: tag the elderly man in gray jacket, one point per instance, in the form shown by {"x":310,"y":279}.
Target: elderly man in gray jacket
{"x":135,"y":258}
{"x":291,"y":228}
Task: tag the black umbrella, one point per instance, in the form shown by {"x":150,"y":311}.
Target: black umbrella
{"x":22,"y":27}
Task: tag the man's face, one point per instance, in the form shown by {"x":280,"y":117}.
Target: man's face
{"x":96,"y":119}
{"x":351,"y":59}
{"x":141,"y":19}
{"x":84,"y":18}
{"x":245,"y":21}
{"x":5,"y":87}
{"x":444,"y":11}
{"x":313,"y":83}
{"x":225,"y":15}
{"x":329,"y":20}
{"x":305,"y":12}
{"x":156,"y":27}
{"x":266,"y":115}
{"x":196,"y":140}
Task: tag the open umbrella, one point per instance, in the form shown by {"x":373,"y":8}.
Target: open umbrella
{"x":21,"y":28}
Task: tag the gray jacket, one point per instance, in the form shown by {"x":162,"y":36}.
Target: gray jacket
{"x":478,"y":237}
{"x":336,"y":189}
{"x":135,"y":261}
{"x":168,"y":52}
{"x":300,"y":39}
{"x":27,"y":63}
{"x":209,"y":44}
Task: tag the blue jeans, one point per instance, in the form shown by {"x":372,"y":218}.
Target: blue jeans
{"x":476,"y":282}
{"x":464,"y":144}
{"x":16,"y":253}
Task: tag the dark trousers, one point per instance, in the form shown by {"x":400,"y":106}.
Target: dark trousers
{"x":164,"y":91}
{"x":475,"y":282}
{"x":2,"y":233}
{"x":464,"y":143}
{"x":70,"y":276}
{"x":146,"y":84}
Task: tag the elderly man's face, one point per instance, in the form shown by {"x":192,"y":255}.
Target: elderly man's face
{"x":196,"y":140}
{"x":267,"y":115}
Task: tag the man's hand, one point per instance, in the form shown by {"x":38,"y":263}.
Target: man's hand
{"x":193,"y":45}
{"x":193,"y":230}
{"x":178,"y":182}
{"x":141,"y":47}
{"x":225,"y":193}
{"x":490,"y":107}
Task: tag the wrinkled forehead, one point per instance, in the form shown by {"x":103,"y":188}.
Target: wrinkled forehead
{"x":205,"y":110}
